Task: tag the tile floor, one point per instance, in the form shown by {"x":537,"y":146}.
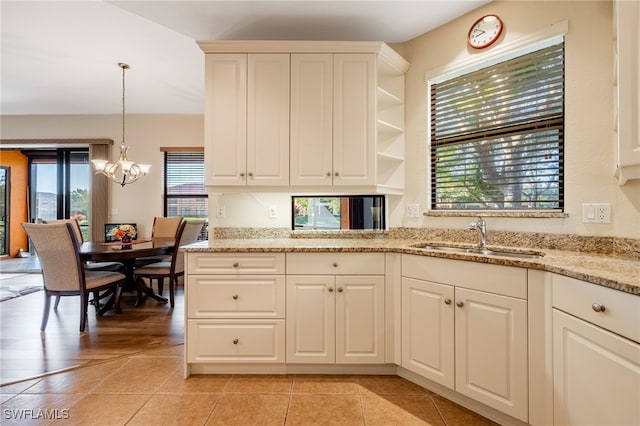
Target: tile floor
{"x":148,"y":389}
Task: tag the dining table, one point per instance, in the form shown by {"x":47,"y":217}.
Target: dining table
{"x":103,"y":251}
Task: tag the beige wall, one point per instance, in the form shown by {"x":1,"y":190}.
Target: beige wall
{"x":145,"y":134}
{"x":589,"y":143}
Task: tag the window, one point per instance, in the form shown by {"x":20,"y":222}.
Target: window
{"x":497,"y":135}
{"x":185,"y":193}
{"x":338,"y":213}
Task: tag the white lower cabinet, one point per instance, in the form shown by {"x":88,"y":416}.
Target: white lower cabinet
{"x":235,"y":308}
{"x":335,"y":318}
{"x":471,"y":340}
{"x":596,"y":372}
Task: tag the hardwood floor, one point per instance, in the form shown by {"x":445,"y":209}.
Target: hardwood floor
{"x":26,"y":353}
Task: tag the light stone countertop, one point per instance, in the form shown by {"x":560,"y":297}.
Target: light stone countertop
{"x":609,"y":271}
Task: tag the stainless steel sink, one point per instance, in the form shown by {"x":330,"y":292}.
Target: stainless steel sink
{"x":483,"y":251}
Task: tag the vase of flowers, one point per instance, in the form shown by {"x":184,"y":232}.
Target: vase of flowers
{"x":124,"y":233}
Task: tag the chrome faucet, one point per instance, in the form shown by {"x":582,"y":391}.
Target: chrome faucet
{"x":481,"y":226}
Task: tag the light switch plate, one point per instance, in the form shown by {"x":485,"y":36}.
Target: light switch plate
{"x":596,"y":213}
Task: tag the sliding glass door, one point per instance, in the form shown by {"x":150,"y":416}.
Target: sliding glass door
{"x":59,"y":186}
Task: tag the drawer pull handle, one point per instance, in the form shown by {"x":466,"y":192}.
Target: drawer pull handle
{"x":235,"y":264}
{"x":598,"y":307}
{"x":330,"y":289}
{"x":235,"y":341}
{"x":447,"y":301}
{"x":339,"y":289}
{"x":335,"y":264}
{"x":235,"y":297}
{"x":460,"y":304}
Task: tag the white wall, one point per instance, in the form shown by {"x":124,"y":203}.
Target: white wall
{"x":145,"y":134}
{"x":589,"y":143}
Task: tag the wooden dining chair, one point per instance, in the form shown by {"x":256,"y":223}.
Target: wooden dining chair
{"x":188,"y":233}
{"x":63,"y":273}
{"x":163,"y":227}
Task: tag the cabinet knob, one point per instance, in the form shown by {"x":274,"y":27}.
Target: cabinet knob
{"x":235,"y":341}
{"x":447,"y":301}
{"x":340,"y":290}
{"x":250,"y":174}
{"x":335,"y":264}
{"x":241,"y":174}
{"x":330,"y":289}
{"x":598,"y":307}
{"x":328,"y":173}
{"x":235,"y":297}
{"x":337,"y":174}
{"x":460,"y":304}
{"x":235,"y":264}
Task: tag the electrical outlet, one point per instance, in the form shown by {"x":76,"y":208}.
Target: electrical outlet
{"x":273,"y":212}
{"x":413,"y":210}
{"x":221,"y":212}
{"x":596,"y":213}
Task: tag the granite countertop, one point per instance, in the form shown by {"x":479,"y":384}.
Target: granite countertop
{"x":609,"y":271}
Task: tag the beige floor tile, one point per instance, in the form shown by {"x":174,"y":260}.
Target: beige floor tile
{"x":178,"y":409}
{"x":80,"y":380}
{"x":400,"y":410}
{"x":455,"y":415}
{"x":325,"y":384}
{"x":37,"y":408}
{"x":389,"y":385}
{"x":139,"y":375}
{"x":104,"y":410}
{"x":260,"y":384}
{"x":206,"y":383}
{"x":243,"y":410}
{"x":324,"y":410}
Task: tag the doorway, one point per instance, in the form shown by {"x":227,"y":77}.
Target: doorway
{"x":5,"y":184}
{"x":59,"y":182}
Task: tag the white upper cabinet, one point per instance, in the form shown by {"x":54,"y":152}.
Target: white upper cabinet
{"x":627,"y":89}
{"x":309,"y":115}
{"x":247,"y":119}
{"x":311,"y":119}
{"x":354,"y":97}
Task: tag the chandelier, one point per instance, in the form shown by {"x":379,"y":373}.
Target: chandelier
{"x":123,"y":171}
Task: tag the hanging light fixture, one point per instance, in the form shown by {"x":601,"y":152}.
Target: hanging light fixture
{"x":122,"y":171}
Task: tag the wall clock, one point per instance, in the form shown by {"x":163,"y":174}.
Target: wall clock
{"x":485,"y":31}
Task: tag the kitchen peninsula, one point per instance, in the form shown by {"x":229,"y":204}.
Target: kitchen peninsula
{"x":370,"y":305}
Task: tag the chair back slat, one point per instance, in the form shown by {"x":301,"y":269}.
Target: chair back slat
{"x":187,"y":233}
{"x":75,"y":225}
{"x":57,"y":246}
{"x":165,"y":227}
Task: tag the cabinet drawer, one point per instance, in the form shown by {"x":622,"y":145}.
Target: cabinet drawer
{"x":621,"y":310}
{"x":335,"y":263}
{"x":232,"y":296}
{"x":498,"y":279}
{"x":236,"y":341}
{"x":235,"y":263}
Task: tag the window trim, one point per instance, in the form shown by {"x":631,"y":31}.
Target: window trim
{"x":538,"y":40}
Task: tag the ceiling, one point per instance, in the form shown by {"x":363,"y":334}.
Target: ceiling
{"x":60,"y":57}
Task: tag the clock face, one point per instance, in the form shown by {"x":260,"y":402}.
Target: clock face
{"x":485,"y":31}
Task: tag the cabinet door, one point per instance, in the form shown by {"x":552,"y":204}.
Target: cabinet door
{"x":428,"y":330}
{"x":268,"y":120}
{"x":596,"y":375}
{"x":360,"y":319}
{"x":491,"y":350}
{"x":225,"y":125}
{"x":354,"y":97}
{"x":311,"y":137}
{"x":310,"y":321}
